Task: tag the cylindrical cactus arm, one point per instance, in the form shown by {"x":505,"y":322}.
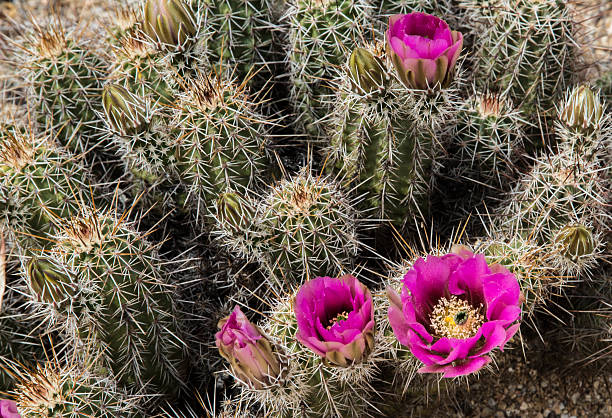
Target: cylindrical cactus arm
{"x":376,"y":145}
{"x":222,"y":142}
{"x":240,"y":38}
{"x":65,"y":79}
{"x":320,"y":34}
{"x":119,"y":302}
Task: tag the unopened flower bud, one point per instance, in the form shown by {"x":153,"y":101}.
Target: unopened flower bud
{"x":250,"y":354}
{"x":366,"y":70}
{"x":582,"y":110}
{"x":233,"y":212}
{"x":575,"y":241}
{"x":125,"y":112}
{"x":170,"y":22}
{"x":47,"y":283}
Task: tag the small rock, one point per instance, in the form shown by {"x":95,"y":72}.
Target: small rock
{"x":524,"y":406}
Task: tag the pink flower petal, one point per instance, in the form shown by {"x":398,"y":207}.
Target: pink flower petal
{"x":509,"y":334}
{"x":468,"y":367}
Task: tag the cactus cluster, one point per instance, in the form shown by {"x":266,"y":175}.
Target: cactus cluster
{"x":311,"y":208}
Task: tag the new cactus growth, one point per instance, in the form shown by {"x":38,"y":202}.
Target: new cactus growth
{"x":118,"y":302}
{"x":39,"y":181}
{"x":174,"y":27}
{"x":489,"y":135}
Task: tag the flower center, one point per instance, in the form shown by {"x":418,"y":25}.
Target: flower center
{"x":342,"y":316}
{"x":455,"y":318}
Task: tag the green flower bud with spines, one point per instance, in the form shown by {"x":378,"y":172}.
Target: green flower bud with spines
{"x":367,"y":71}
{"x":171,"y":22}
{"x":125,"y":112}
{"x":233,"y":212}
{"x":575,"y":241}
{"x":582,"y":110}
{"x":47,"y":283}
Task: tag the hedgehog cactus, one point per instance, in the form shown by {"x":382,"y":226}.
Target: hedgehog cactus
{"x":375,"y":145}
{"x":240,"y":36}
{"x":524,"y":49}
{"x":38,"y":183}
{"x":103,"y":285}
{"x":321,"y":34}
{"x":568,"y":187}
{"x":66,"y":82}
{"x":303,"y":227}
{"x":54,"y":389}
{"x":221,"y":141}
{"x":489,"y":135}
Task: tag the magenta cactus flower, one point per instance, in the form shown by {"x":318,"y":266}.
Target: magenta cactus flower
{"x":423,"y":49}
{"x":249,"y":353}
{"x":335,"y":318}
{"x":8,"y":409}
{"x":454,"y":310}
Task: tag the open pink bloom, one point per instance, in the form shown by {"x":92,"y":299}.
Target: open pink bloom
{"x":335,"y":319}
{"x":8,"y":409}
{"x":250,"y":353}
{"x":423,"y":49}
{"x":454,"y":310}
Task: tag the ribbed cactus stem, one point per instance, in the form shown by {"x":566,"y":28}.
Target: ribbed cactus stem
{"x":222,"y":141}
{"x":378,"y":142}
{"x":39,"y":182}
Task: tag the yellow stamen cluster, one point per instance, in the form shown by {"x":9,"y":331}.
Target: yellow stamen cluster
{"x":456,"y":318}
{"x":340,"y":317}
